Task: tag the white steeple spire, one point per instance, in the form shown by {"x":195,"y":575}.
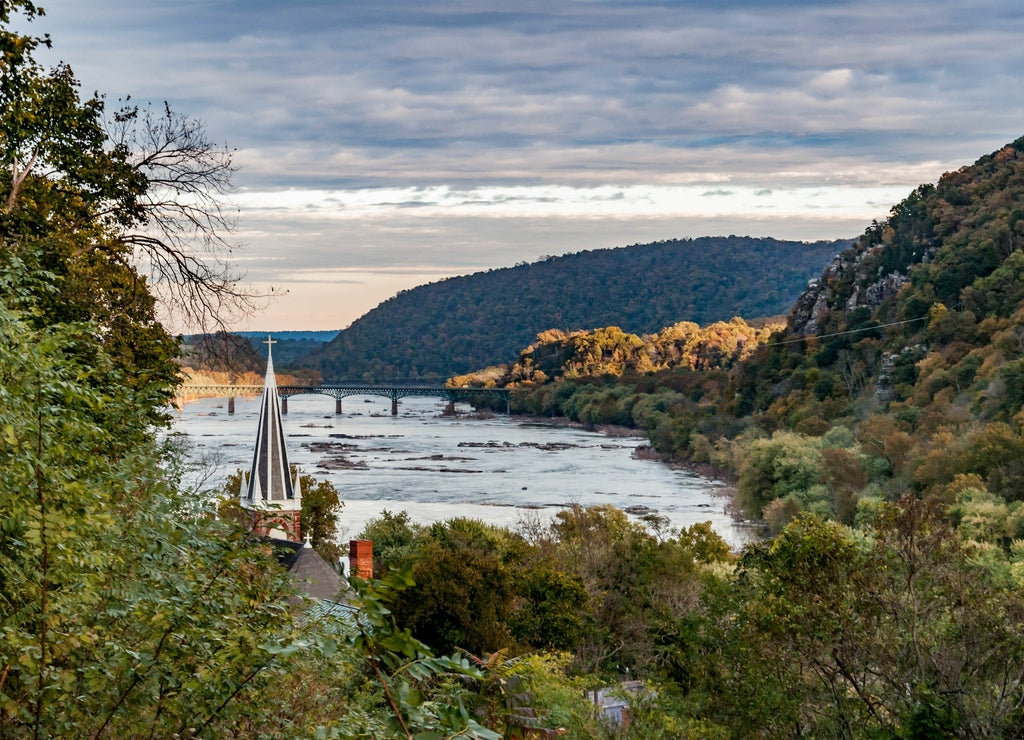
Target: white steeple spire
{"x":269,"y":483}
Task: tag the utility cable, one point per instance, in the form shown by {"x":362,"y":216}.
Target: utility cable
{"x":856,"y":331}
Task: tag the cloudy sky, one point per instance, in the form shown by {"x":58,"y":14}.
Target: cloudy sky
{"x":389,"y":143}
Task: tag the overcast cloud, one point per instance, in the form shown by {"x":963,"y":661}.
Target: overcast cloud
{"x":383,"y":145}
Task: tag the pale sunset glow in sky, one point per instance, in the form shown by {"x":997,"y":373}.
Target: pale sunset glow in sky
{"x":387,"y":144}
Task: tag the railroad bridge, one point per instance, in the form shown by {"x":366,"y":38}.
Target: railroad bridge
{"x":342,"y":390}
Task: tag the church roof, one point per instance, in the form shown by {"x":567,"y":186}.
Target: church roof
{"x":270,"y":478}
{"x":313,"y":576}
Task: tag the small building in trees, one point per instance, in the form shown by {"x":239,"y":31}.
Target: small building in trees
{"x":269,"y":492}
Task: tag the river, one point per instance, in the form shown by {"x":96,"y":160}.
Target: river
{"x":498,"y":469}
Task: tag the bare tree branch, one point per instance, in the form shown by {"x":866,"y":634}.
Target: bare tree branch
{"x":182,"y":227}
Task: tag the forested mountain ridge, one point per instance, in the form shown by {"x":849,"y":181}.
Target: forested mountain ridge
{"x":464,"y":323}
{"x":941,"y":239}
{"x":924,"y":311}
{"x":901,"y":370}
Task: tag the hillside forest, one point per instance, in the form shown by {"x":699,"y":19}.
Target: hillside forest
{"x":898,"y":371}
{"x":884,"y":418}
{"x":461,"y":324}
{"x":877,"y":434}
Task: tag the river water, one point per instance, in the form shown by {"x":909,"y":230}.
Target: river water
{"x":498,"y":469}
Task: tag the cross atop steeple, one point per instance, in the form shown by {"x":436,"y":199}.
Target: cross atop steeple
{"x":270,"y":377}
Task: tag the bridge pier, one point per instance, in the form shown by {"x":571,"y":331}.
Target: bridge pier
{"x":284,"y":405}
{"x":394,"y":407}
{"x":449,"y":410}
{"x":231,"y":404}
{"x":337,"y":406}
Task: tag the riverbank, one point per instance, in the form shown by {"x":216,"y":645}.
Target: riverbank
{"x":724,"y":479}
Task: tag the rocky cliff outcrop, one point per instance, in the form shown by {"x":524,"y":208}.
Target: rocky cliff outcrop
{"x":866,"y":275}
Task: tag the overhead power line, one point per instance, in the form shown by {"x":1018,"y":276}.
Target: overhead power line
{"x":848,"y":331}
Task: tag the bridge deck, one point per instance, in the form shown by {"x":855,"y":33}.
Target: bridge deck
{"x":338,"y":391}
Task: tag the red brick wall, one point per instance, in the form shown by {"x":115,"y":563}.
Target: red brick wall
{"x":288,"y":521}
{"x":360,"y":559}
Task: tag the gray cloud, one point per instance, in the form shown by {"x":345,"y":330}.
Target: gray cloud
{"x":404,"y":77}
{"x":318,"y":94}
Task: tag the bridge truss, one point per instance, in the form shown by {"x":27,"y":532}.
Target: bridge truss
{"x":341,"y":391}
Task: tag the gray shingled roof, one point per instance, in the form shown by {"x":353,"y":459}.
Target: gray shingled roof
{"x":313,"y":576}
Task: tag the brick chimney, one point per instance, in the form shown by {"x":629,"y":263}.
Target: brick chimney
{"x":360,"y":559}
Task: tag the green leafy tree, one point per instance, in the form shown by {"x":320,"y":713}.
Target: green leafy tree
{"x":396,"y":540}
{"x":786,"y":464}
{"x":643,"y":590}
{"x":127,"y":610}
{"x":897,"y":633}
{"x":465,"y":587}
{"x":551,"y":609}
{"x":321,"y":508}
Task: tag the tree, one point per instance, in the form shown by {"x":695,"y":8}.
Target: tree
{"x":893,"y":632}
{"x":396,"y":540}
{"x":464,"y":590}
{"x":85,"y":196}
{"x":643,"y":590}
{"x":783,"y":465}
{"x":180,"y":227}
{"x":61,"y":189}
{"x":127,"y":609}
{"x":321,"y":508}
{"x":845,"y":476}
{"x":551,"y":609}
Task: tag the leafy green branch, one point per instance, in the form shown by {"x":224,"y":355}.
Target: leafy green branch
{"x":407,"y":671}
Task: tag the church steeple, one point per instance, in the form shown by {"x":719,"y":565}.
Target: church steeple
{"x":268,"y":491}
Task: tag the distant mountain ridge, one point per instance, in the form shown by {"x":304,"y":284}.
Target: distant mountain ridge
{"x":246,"y":351}
{"x":320,"y":337}
{"x":465,"y":323}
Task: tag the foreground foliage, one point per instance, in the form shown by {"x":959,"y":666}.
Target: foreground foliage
{"x":127,"y":609}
